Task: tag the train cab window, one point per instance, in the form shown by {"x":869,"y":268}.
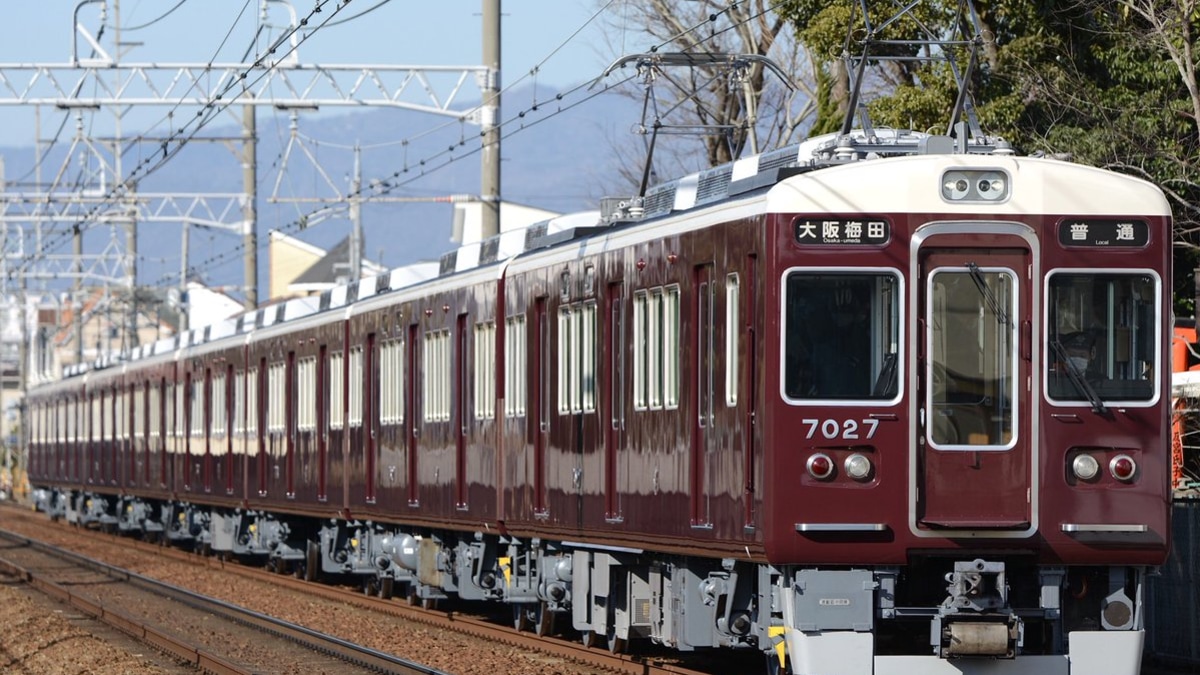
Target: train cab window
{"x":1102,"y":336}
{"x":841,"y":335}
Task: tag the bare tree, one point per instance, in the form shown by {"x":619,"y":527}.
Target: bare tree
{"x":724,"y":112}
{"x":1170,"y":27}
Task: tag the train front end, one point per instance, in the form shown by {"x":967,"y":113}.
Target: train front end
{"x":965,"y":446}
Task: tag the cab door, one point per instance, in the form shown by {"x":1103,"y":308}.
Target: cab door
{"x":974,"y":451}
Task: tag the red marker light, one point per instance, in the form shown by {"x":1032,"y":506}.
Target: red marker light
{"x":820,"y":466}
{"x":1123,"y":468}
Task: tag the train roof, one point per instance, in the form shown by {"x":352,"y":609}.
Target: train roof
{"x":777,"y":176}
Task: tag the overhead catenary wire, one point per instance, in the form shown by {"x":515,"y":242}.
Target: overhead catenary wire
{"x":213,"y":107}
{"x":443,"y":158}
{"x":425,"y":166}
{"x":162,"y":16}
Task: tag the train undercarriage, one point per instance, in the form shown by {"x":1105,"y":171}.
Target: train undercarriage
{"x":944,"y":612}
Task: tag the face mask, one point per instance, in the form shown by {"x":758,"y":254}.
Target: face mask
{"x":1080,"y":363}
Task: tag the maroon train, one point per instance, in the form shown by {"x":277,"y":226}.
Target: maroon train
{"x":888,"y":404}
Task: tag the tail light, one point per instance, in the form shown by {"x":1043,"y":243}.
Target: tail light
{"x":1085,"y":467}
{"x":820,"y":466}
{"x":1123,"y":468}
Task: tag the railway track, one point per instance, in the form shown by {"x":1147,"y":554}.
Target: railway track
{"x":214,"y":636}
{"x":493,"y":631}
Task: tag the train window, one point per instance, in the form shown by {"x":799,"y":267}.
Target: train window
{"x":337,"y":394}
{"x":252,"y":385}
{"x":391,"y":382}
{"x":485,"y":370}
{"x":841,"y":335}
{"x":108,"y":419}
{"x":355,"y":416}
{"x":175,"y":405}
{"x":654,"y":351}
{"x":155,"y":412}
{"x":732,"y":297}
{"x":577,"y":358}
{"x":306,"y":398}
{"x":437,"y":376}
{"x":120,"y":410}
{"x":514,"y":366}
{"x":276,"y":398}
{"x":197,"y":400}
{"x":1102,"y":336}
{"x":139,"y":411}
{"x":93,"y":422}
{"x":239,"y":404}
{"x":972,"y":368}
{"x":671,"y":347}
{"x":656,"y":347}
{"x":564,"y":360}
{"x":219,"y":412}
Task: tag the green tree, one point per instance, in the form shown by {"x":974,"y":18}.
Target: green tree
{"x":1109,"y":83}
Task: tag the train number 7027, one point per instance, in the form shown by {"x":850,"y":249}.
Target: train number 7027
{"x":850,"y":430}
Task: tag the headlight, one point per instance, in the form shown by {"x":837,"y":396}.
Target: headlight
{"x":1085,"y":467}
{"x":857,"y":466}
{"x":975,"y":185}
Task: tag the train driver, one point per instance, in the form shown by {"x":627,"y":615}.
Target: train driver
{"x":1080,"y":348}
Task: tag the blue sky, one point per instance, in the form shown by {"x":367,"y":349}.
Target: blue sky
{"x":535,"y":33}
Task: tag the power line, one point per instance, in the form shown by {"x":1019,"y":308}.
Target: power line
{"x":154,"y":21}
{"x":204,"y":116}
{"x":427,"y":164}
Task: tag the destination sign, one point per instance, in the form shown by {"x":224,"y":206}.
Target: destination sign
{"x":1093,"y":232}
{"x":870,"y":231}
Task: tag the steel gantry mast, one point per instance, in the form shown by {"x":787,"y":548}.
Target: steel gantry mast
{"x":91,"y":192}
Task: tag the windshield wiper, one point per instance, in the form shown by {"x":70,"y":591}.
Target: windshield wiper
{"x":1077,"y":378}
{"x":987,"y":294}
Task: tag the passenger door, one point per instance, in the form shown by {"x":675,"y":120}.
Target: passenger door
{"x":974,"y":448}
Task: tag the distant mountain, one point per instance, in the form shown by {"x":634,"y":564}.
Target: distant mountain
{"x":553,"y":157}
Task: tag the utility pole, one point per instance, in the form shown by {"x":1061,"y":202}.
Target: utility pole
{"x":125,"y":206}
{"x":249,"y":210}
{"x":183,"y":279}
{"x":86,"y":82}
{"x":489,"y":117}
{"x":356,"y":233}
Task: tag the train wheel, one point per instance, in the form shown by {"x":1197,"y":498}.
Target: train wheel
{"x":616,"y":645}
{"x":387,"y":587}
{"x":312,"y":561}
{"x":411,"y":595}
{"x":522,"y":621}
{"x":543,"y":623}
{"x":773,"y":666}
{"x":370,"y":586}
{"x":429,"y":603}
{"x":588,"y":638}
